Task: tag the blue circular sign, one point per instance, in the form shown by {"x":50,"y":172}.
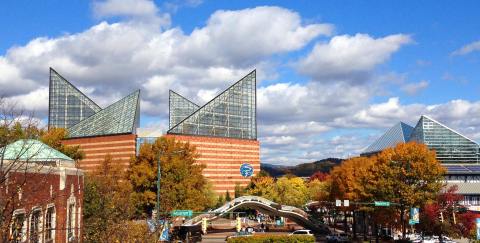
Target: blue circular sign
{"x":246,"y":170}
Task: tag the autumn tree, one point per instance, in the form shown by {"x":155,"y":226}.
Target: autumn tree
{"x":408,"y":175}
{"x":108,"y":208}
{"x":350,"y":180}
{"x":53,"y":138}
{"x":320,"y":176}
{"x":291,"y":191}
{"x":262,"y":185}
{"x":182,"y":184}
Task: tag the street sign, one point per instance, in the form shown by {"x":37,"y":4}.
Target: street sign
{"x":182,"y":213}
{"x":382,"y":204}
{"x":338,"y":203}
{"x":346,"y":203}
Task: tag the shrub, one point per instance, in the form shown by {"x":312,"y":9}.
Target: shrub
{"x":273,"y":239}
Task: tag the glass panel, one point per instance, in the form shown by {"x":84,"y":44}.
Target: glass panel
{"x":230,"y":114}
{"x":35,"y":227}
{"x":450,"y":146}
{"x":67,"y":104}
{"x":180,"y":108}
{"x":122,"y":117}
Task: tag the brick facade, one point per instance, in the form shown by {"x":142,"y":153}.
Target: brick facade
{"x":121,"y":147}
{"x":38,"y":188}
{"x":223,"y":158}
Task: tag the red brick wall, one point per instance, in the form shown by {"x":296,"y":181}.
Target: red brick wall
{"x":223,"y":158}
{"x":35,"y":193}
{"x":120,"y":147}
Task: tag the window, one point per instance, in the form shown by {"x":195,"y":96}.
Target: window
{"x":71,"y":222}
{"x":35,"y":226}
{"x":50,"y":224}
{"x":18,"y":233}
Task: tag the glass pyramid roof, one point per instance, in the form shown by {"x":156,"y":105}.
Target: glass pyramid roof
{"x":449,"y":145}
{"x":231,"y":114}
{"x":400,"y":133}
{"x":179,"y":108}
{"x":121,"y":117}
{"x":67,"y":105}
{"x":31,"y":150}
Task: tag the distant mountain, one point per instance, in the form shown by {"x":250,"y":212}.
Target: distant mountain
{"x":305,"y":169}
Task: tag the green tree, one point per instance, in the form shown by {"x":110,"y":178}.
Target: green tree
{"x":182,"y":184}
{"x":227,"y":197}
{"x":238,"y":190}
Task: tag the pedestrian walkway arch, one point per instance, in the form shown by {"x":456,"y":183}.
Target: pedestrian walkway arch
{"x":263,"y":205}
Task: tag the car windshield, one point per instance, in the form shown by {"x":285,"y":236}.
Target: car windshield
{"x":299,"y":233}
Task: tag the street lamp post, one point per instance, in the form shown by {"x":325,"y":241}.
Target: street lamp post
{"x":158,"y":187}
{"x":159,"y":174}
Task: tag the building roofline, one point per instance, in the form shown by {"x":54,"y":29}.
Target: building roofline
{"x":225,"y":90}
{"x":428,"y":117}
{"x":51,"y":69}
{"x":93,"y":116}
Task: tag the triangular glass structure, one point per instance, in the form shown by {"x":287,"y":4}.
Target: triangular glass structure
{"x":231,"y":114}
{"x":400,"y":133}
{"x":121,"y":117}
{"x":449,"y":145}
{"x":179,"y":108}
{"x":67,"y":105}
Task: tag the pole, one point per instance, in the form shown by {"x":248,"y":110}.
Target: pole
{"x":158,"y":188}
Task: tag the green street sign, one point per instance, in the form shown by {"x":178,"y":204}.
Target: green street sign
{"x":182,"y":213}
{"x":382,"y":204}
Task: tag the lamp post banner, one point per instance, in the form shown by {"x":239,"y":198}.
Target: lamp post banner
{"x":478,"y":228}
{"x":415,"y":215}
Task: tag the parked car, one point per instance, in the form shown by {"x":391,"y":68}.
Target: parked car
{"x":301,"y":232}
{"x":338,"y":237}
{"x":239,"y":234}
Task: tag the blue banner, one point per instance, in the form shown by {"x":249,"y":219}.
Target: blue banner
{"x":478,"y":228}
{"x":414,"y":215}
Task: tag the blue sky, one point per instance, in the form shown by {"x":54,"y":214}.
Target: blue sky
{"x":332,"y":75}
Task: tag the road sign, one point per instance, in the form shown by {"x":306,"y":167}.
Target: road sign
{"x":338,"y":203}
{"x":246,"y":170}
{"x":346,"y":203}
{"x":382,"y":204}
{"x":182,"y":213}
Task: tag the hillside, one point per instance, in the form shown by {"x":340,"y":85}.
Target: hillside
{"x":305,"y":169}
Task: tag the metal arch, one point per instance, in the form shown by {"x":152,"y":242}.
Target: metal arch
{"x":297,"y":215}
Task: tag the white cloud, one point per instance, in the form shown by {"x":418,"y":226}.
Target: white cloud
{"x":414,"y":88}
{"x":350,"y":58}
{"x":113,"y":59}
{"x":243,"y":37}
{"x":469,"y":48}
{"x":109,"y":8}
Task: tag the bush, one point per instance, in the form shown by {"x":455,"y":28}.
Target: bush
{"x":273,"y":239}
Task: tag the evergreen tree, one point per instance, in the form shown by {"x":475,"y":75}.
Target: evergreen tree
{"x":227,"y":197}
